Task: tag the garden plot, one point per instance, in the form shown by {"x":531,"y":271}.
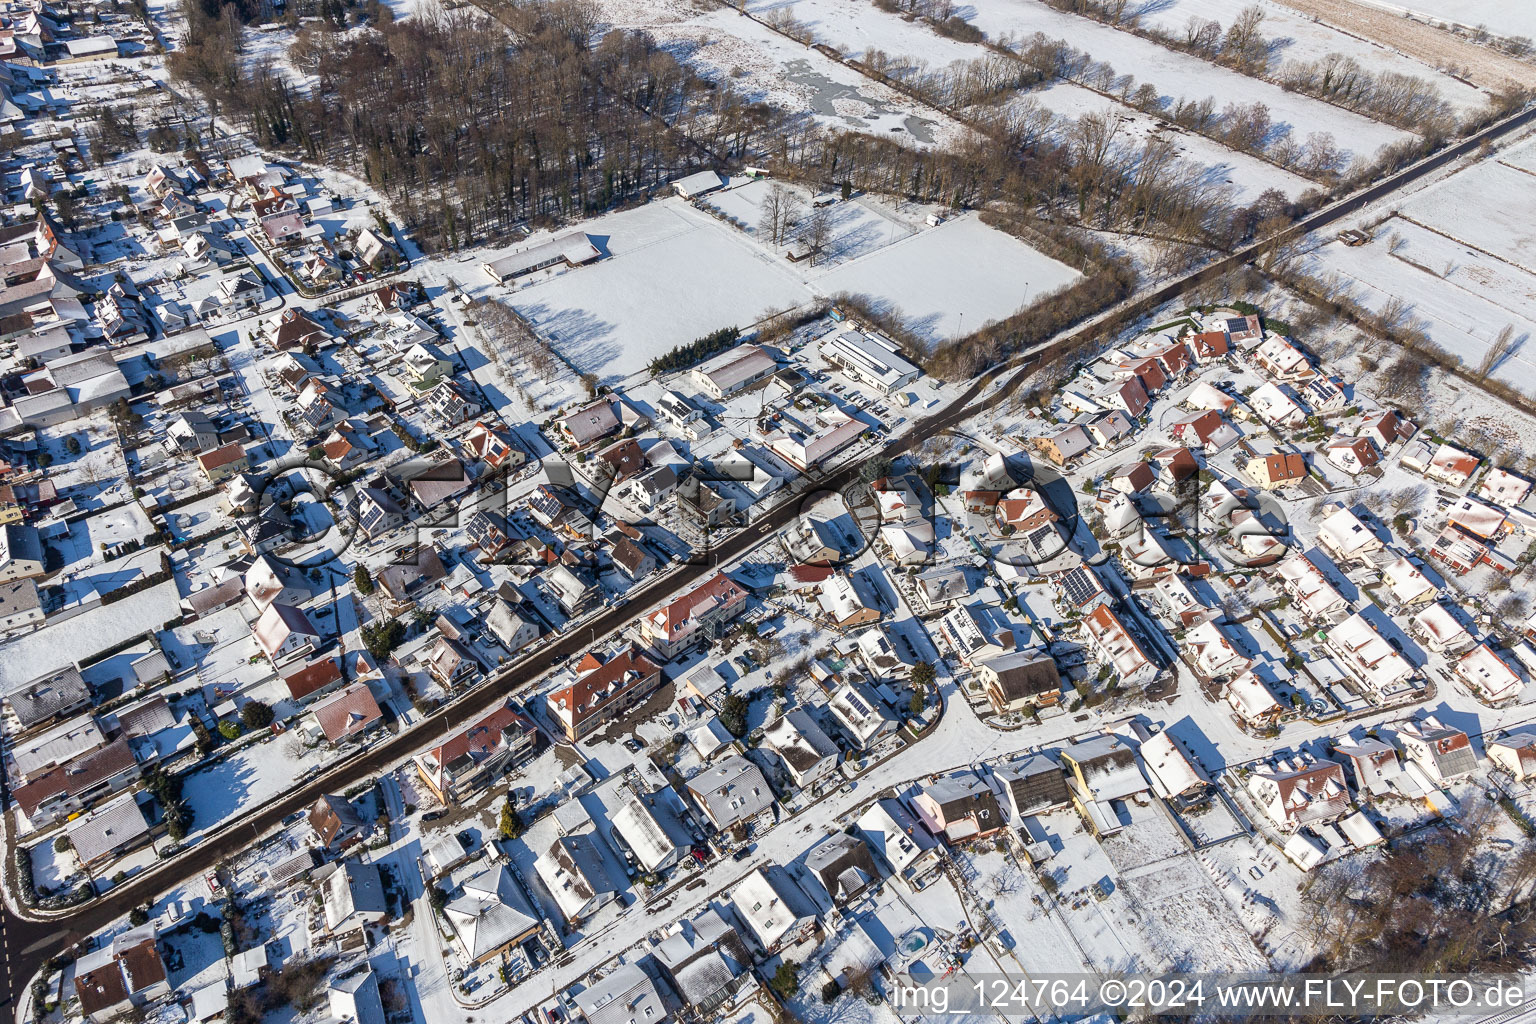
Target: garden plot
{"x":672,"y":274}
{"x":1463,"y":297}
{"x":1246,"y":175}
{"x":951,"y":279}
{"x":1299,"y":38}
{"x":857,"y":228}
{"x":1481,"y":207}
{"x":1178,"y":75}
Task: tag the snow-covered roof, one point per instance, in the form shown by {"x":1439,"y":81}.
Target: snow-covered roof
{"x":1169,"y":771}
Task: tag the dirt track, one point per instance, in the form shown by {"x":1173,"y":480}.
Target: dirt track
{"x":1484,"y":67}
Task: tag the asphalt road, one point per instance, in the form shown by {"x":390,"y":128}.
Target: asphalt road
{"x":25,"y":944}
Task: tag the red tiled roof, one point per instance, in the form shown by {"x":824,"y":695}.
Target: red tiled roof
{"x":314,"y":676}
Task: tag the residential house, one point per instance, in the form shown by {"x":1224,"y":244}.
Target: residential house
{"x":1439,"y":630}
{"x":1207,"y":430}
{"x":1387,"y":429}
{"x":1367,"y":657}
{"x":1451,"y":466}
{"x":972,"y":637}
{"x":734,"y":371}
{"x":223,"y":462}
{"x":844,"y":866}
{"x":57,"y":695}
{"x":120,"y":976}
{"x":1278,"y":470}
{"x":515,"y":629}
{"x":451,"y":663}
{"x":701,"y":613}
{"x":1031,"y":784}
{"x":732,"y":792}
{"x":804,"y":750}
{"x":346,"y":716}
{"x":1281,"y":360}
{"x":1354,"y":455}
{"x":1486,"y":674}
{"x":285,"y":633}
{"x":1408,"y":584}
{"x":777,"y":913}
{"x":492,"y":447}
{"x":1065,"y":445}
{"x":573,"y":872}
{"x":1304,"y":582}
{"x":468,"y":761}
{"x":602,"y":691}
{"x":959,"y":807}
{"x":903,"y":843}
{"x":1102,"y":770}
{"x":1445,"y":754}
{"x":1019,"y":680}
{"x":352,"y":897}
{"x":1252,"y":701}
{"x":843,"y":605}
{"x":491,"y":915}
{"x":861,"y":715}
{"x":1210,"y":652}
{"x":1306,"y":794}
{"x":654,"y":835}
{"x":1272,"y":405}
{"x":1345,"y":537}
{"x":1515,"y":753}
{"x":627,"y":995}
{"x":590,"y":424}
{"x":1114,"y":645}
{"x":335,"y":822}
{"x":706,"y":962}
{"x":1373,"y":763}
{"x":1502,"y":487}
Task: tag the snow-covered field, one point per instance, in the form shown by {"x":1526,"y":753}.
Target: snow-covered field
{"x":1176,"y":74}
{"x":952,"y":278}
{"x":1462,"y":296}
{"x":1502,"y":17}
{"x":672,"y":275}
{"x":1487,"y":206}
{"x":1462,"y":255}
{"x":1299,"y":38}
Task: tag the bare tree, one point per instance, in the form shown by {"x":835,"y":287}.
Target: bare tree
{"x":1503,"y":344}
{"x":781,"y":207}
{"x":816,"y":230}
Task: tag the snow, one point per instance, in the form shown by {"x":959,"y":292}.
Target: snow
{"x":246,"y":779}
{"x":1465,"y":262}
{"x":960,"y":272}
{"x":1179,"y":75}
{"x":1296,"y":37}
{"x":90,"y":632}
{"x":1498,"y":16}
{"x":671,"y":276}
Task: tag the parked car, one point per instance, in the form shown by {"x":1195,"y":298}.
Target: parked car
{"x":744,"y":852}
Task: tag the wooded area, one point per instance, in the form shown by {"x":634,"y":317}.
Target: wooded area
{"x":469,"y":129}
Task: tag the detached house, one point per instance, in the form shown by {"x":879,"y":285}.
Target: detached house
{"x":958,"y":807}
{"x":1445,"y":754}
{"x":1019,"y":680}
{"x":732,"y":792}
{"x":1354,"y":455}
{"x":777,"y":913}
{"x":1279,"y":470}
{"x":1065,"y":445}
